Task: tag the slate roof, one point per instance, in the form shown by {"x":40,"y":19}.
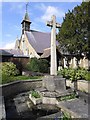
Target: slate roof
{"x":12,"y":52}
{"x":46,"y":53}
{"x":5,"y":53}
{"x":39,"y":40}
{"x":17,"y":52}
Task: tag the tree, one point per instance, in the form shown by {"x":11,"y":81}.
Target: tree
{"x":73,"y":35}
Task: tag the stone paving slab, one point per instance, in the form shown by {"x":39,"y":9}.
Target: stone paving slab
{"x":76,"y":108}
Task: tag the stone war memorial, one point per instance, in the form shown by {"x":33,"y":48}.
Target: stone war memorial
{"x":53,"y":86}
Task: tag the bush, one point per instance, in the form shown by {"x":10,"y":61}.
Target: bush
{"x":43,"y":65}
{"x":75,"y":74}
{"x":37,"y":65}
{"x":32,"y":65}
{"x":8,"y":69}
{"x":87,"y":76}
{"x":18,"y":64}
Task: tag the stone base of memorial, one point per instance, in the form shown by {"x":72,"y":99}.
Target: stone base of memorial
{"x":53,"y":88}
{"x":54,"y":83}
{"x":35,"y":100}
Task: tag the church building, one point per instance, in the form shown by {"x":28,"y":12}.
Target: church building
{"x":32,"y":43}
{"x":37,"y":44}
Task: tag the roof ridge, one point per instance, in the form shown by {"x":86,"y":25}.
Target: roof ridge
{"x":37,"y":31}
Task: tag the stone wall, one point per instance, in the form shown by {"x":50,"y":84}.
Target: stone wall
{"x":81,"y":85}
{"x":19,"y":86}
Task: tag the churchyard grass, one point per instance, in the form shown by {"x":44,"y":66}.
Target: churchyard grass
{"x":9,"y":79}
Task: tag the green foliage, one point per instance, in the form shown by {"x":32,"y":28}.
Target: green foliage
{"x":73,"y":35}
{"x":64,"y":72}
{"x":68,"y":97}
{"x":16,"y":78}
{"x":38,"y":65}
{"x":74,"y":74}
{"x":35,"y":94}
{"x":87,"y":76}
{"x":43,"y":65}
{"x":19,"y":64}
{"x":32,"y":65}
{"x":66,"y":116}
{"x":8,"y":69}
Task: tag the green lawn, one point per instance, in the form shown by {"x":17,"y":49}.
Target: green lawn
{"x":6,"y":79}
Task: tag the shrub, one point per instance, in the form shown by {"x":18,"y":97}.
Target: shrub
{"x":75,"y":74}
{"x":43,"y":65}
{"x":87,"y":76}
{"x":8,"y":69}
{"x":37,"y":65}
{"x":32,"y":65}
{"x":18,"y":64}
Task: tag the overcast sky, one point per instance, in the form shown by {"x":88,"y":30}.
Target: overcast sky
{"x":39,"y":12}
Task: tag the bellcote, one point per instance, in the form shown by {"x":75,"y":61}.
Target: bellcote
{"x":26,"y":22}
{"x":26,"y":18}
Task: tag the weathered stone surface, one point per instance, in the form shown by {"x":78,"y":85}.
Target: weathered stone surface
{"x":20,"y":102}
{"x":35,"y":100}
{"x":60,"y":84}
{"x":82,"y":85}
{"x":76,"y":108}
{"x":49,"y":94}
{"x":55,"y":116}
{"x":2,"y":108}
{"x":16,"y":87}
{"x":48,"y":100}
{"x":53,"y":83}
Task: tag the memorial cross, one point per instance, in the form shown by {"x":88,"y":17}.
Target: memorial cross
{"x":53,"y":25}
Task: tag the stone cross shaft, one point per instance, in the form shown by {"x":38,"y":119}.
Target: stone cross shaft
{"x":53,"y":25}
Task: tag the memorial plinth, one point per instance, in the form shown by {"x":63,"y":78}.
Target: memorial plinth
{"x":54,"y":83}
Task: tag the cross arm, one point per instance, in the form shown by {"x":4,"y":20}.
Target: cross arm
{"x":58,"y":25}
{"x":49,"y":23}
